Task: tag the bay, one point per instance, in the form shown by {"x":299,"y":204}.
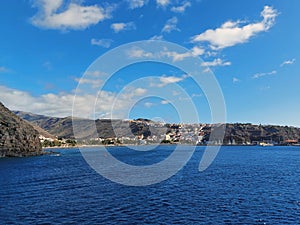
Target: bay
{"x":244,"y":185}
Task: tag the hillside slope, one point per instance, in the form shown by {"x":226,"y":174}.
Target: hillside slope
{"x":237,"y":133}
{"x":17,"y":137}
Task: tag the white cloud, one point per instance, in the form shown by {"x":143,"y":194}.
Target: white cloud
{"x":216,"y":62}
{"x":54,"y":14}
{"x":95,"y":83}
{"x":181,"y":8}
{"x":162,"y":3}
{"x":175,"y":56}
{"x":211,"y":53}
{"x":92,"y":79}
{"x":170,"y":79}
{"x":165,"y":80}
{"x":139,"y":53}
{"x":105,"y":43}
{"x":232,"y":33}
{"x":235,"y":80}
{"x":288,"y":62}
{"x":170,"y":25}
{"x":61,"y":104}
{"x":139,"y":91}
{"x":136,"y":3}
{"x":157,"y":38}
{"x":194,"y":52}
{"x":206,"y":70}
{"x":164,"y":102}
{"x":95,"y":73}
{"x":117,"y":27}
{"x":258,"y":75}
{"x":48,"y":104}
{"x":149,"y":104}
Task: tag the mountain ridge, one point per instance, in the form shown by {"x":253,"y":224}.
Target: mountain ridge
{"x":237,"y":133}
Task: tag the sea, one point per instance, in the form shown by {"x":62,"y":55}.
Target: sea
{"x":243,"y":185}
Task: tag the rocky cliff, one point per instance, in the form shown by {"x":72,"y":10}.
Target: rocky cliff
{"x":249,"y":133}
{"x":238,"y":133}
{"x":17,"y":137}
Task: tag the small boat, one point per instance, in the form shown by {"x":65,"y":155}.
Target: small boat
{"x":55,"y":154}
{"x":264,"y":144}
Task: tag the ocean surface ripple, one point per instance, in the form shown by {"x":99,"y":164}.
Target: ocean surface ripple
{"x":244,"y":185}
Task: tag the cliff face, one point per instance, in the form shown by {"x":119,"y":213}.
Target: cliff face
{"x":17,"y":137}
{"x":243,"y":133}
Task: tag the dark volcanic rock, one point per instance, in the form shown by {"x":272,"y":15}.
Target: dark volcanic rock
{"x":239,"y":133}
{"x":17,"y":137}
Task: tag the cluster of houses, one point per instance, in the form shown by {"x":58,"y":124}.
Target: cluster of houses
{"x":56,"y":142}
{"x":158,"y":132}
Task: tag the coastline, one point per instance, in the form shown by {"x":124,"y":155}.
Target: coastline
{"x":163,"y":144}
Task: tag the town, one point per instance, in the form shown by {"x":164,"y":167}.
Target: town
{"x":147,"y":132}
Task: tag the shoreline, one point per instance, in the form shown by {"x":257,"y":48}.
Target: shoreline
{"x":92,"y":146}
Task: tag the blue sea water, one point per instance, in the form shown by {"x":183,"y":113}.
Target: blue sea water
{"x":244,"y":185}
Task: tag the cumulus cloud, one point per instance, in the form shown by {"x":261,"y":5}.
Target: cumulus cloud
{"x":136,"y":3}
{"x":61,"y":104}
{"x":288,"y":62}
{"x":181,"y":8}
{"x":117,"y":27}
{"x":139,"y":53}
{"x":171,"y":25}
{"x":258,"y":75}
{"x":47,"y":104}
{"x":216,"y":62}
{"x":233,"y":32}
{"x":91,"y":79}
{"x":164,"y":102}
{"x":54,"y":14}
{"x":162,"y":3}
{"x":94,"y":83}
{"x":175,"y":56}
{"x":194,"y":52}
{"x":235,"y":80}
{"x":165,"y":80}
{"x":139,"y":91}
{"x":171,"y":79}
{"x":105,"y":43}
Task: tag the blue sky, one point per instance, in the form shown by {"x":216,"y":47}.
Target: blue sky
{"x":252,"y":48}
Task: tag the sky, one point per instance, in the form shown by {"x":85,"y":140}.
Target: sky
{"x":49,"y":50}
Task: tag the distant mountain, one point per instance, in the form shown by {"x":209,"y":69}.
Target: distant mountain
{"x":60,"y":127}
{"x":106,"y":128}
{"x":17,"y":137}
{"x":237,"y":133}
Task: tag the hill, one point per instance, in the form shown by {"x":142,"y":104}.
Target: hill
{"x":106,"y":128}
{"x":237,"y":133}
{"x":17,"y":137}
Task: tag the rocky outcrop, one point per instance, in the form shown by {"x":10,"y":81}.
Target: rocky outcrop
{"x":250,"y":133}
{"x":17,"y":137}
